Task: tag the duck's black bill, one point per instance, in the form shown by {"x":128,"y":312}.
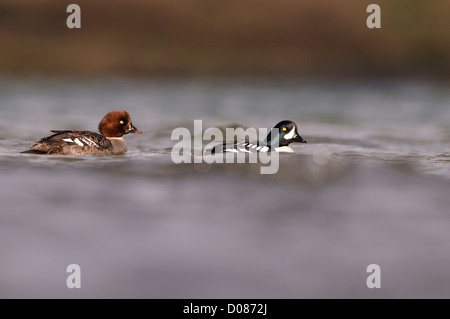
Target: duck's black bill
{"x":298,"y":139}
{"x":133,"y":129}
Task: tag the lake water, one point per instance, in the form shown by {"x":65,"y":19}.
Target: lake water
{"x":370,"y":187}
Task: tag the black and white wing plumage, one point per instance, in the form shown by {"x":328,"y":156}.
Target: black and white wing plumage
{"x":72,"y":143}
{"x":246,"y":146}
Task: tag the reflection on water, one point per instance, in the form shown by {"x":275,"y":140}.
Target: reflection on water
{"x":370,"y":187}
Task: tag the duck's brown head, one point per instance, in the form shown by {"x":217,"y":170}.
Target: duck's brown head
{"x":117,"y":124}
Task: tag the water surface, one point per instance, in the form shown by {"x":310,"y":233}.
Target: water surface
{"x":371,"y":186}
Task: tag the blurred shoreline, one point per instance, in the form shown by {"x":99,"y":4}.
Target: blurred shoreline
{"x":248,"y":38}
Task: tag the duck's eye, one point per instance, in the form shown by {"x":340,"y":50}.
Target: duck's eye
{"x":121,"y":122}
{"x":284,"y":129}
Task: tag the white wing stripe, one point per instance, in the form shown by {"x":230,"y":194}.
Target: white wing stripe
{"x":78,"y":142}
{"x":89,"y":141}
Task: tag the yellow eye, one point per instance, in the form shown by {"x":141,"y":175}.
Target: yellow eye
{"x":284,"y":129}
{"x":121,"y":122}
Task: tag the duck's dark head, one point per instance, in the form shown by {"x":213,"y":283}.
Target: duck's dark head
{"x":117,"y":124}
{"x":285,"y":132}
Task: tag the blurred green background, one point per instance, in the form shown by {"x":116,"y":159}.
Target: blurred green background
{"x":304,"y":38}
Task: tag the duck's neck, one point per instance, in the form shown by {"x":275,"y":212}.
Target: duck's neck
{"x":273,"y":139}
{"x":118,"y":145}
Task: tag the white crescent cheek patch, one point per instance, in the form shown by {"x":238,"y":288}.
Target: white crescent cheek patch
{"x":290,"y":135}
